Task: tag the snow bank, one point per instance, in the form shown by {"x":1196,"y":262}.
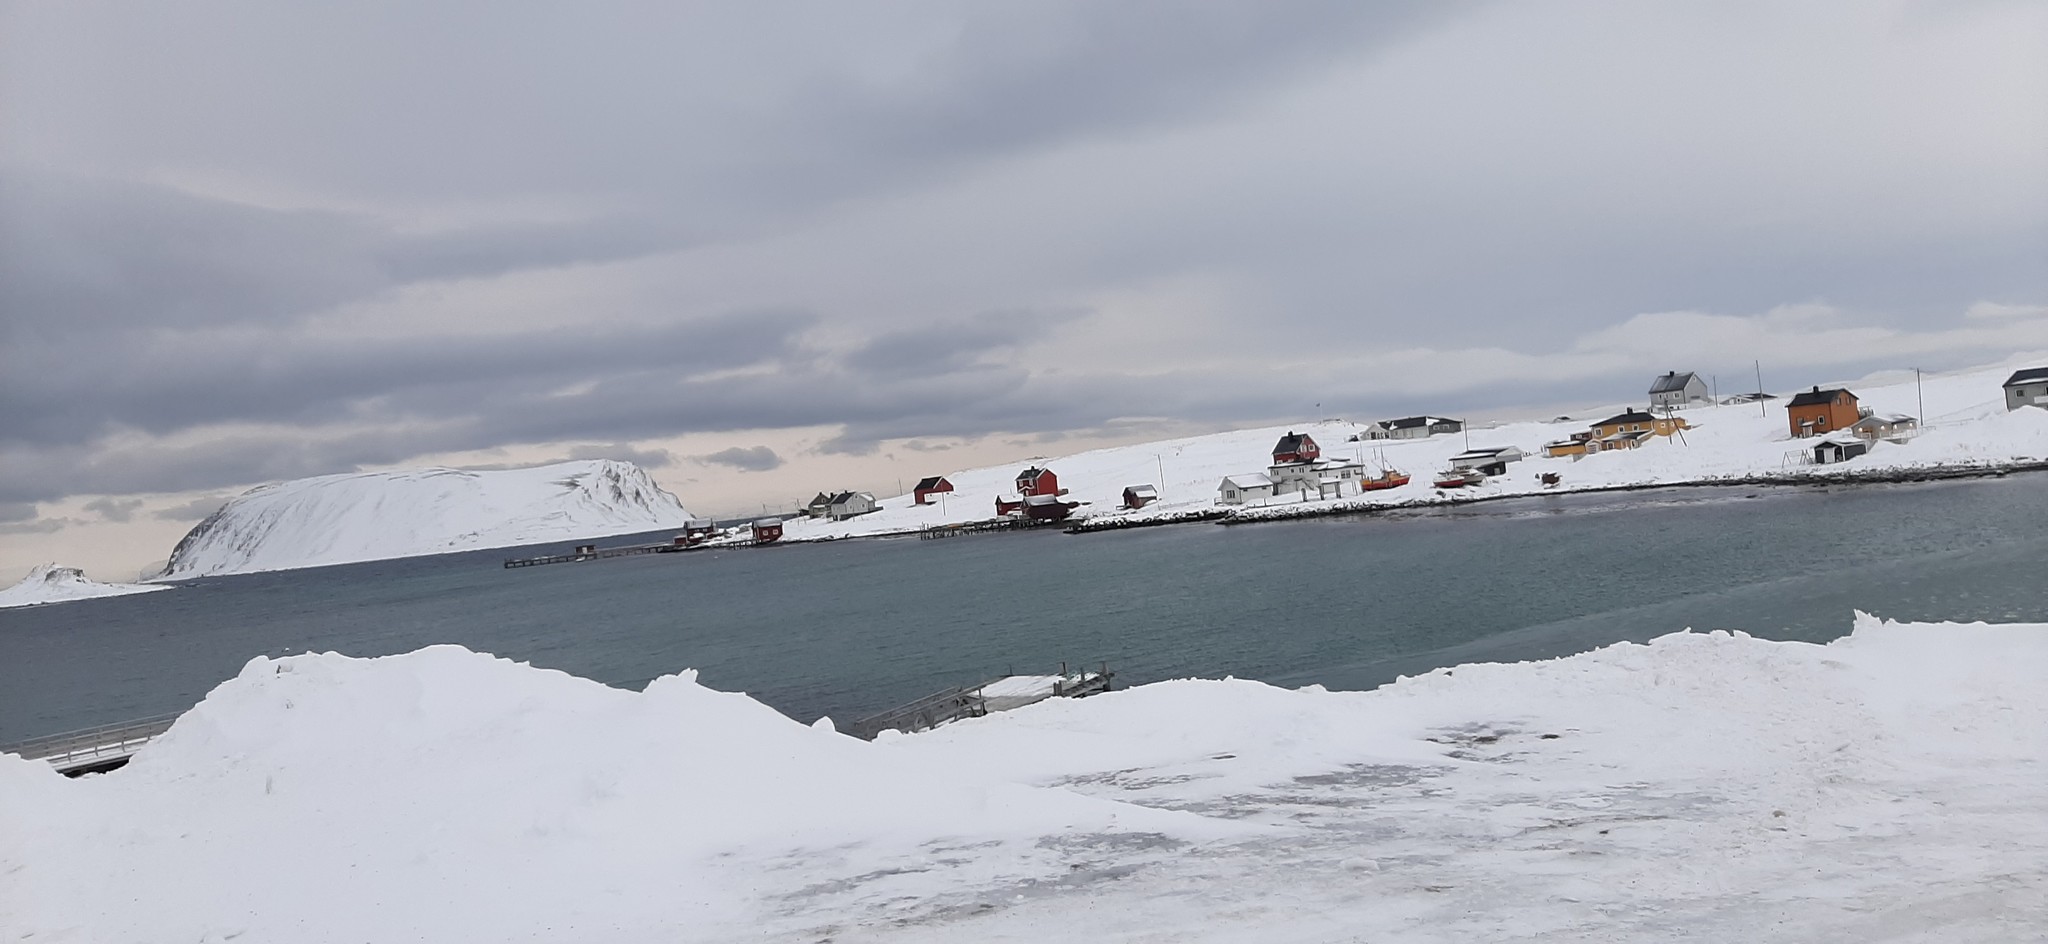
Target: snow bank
{"x":339,"y":519}
{"x":1715,"y":787}
{"x":49,"y":583}
{"x":1968,"y":428}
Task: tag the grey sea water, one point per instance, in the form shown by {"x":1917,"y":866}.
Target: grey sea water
{"x":850,"y":627}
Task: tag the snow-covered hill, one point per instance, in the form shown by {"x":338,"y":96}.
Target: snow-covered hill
{"x":49,"y":583}
{"x":339,"y":519}
{"x":1967,"y":425}
{"x":1708,"y":787}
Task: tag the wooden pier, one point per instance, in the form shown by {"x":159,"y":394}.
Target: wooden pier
{"x":92,"y":750}
{"x":982,"y":527}
{"x":974,"y":701}
{"x":591,"y":553}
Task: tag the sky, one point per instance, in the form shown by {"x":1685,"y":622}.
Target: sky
{"x":768,"y":249}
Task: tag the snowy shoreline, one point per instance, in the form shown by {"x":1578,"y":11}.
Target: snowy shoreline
{"x":1712,"y":785}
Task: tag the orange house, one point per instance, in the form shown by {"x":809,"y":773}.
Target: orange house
{"x":1820,"y":411}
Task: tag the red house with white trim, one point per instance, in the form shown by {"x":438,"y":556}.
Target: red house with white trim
{"x":1037,"y":481}
{"x":1296,"y":447}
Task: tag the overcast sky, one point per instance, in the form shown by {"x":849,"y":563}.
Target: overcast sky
{"x":767,"y":249}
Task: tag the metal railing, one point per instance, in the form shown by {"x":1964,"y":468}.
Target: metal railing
{"x":89,"y":746}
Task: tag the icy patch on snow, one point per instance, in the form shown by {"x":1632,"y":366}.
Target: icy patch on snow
{"x":1712,"y":786}
{"x":340,"y":519}
{"x":49,"y":583}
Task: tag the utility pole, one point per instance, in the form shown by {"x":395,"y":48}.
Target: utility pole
{"x":1760,"y":411}
{"x":1919,"y":396}
{"x":1162,"y":474}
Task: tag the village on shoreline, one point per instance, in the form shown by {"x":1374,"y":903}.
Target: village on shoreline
{"x":1901,"y":429}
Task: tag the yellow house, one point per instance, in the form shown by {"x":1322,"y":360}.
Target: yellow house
{"x":1638,"y":421}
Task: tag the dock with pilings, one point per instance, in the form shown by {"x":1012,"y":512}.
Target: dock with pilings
{"x":974,"y":701}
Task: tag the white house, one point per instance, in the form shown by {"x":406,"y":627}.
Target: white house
{"x":1413,"y":427}
{"x":2027,"y":388}
{"x":1238,"y":489}
{"x":1674,"y":390}
{"x":849,"y":504}
{"x":1327,"y":478}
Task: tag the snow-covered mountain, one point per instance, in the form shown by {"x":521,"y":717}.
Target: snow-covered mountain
{"x":49,"y":583}
{"x":339,"y":519}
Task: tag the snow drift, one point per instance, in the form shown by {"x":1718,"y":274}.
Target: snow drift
{"x":339,"y":519}
{"x":1708,"y":786}
{"x":49,"y":583}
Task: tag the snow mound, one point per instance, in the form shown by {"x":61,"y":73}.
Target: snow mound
{"x":49,"y":583}
{"x":340,"y":519}
{"x":1709,"y":786}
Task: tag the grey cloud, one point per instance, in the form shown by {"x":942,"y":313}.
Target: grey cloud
{"x":12,"y":511}
{"x":114,"y":509}
{"x":192,"y":510}
{"x":745,"y":458}
{"x":37,"y":526}
{"x":644,"y":458}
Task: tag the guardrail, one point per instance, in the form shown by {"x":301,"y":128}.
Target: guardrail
{"x":92,"y":747}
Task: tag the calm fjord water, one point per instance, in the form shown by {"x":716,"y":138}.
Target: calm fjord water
{"x":850,"y":627}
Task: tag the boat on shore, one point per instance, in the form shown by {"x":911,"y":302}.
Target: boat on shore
{"x":1388,"y":478}
{"x":1459,"y":478}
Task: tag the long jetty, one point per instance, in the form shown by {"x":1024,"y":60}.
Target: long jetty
{"x":92,"y":750}
{"x":975,"y":701}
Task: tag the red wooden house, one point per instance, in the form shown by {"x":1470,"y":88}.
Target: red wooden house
{"x":1296,"y":447}
{"x":767,"y":531}
{"x":1037,"y":481}
{"x":1008,"y":506}
{"x":1138,"y":496}
{"x":928,"y":487}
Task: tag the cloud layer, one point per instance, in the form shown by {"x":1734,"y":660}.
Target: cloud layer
{"x":602,"y":228}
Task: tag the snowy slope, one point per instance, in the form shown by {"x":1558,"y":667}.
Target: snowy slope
{"x":337,"y":519}
{"x":1968,"y":425}
{"x":49,"y":583}
{"x":1708,"y":787}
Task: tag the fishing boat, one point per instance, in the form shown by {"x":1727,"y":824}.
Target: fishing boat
{"x":1388,"y":478}
{"x":1459,"y":478}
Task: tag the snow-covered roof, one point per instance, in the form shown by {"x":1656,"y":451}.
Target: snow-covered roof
{"x":768,"y":523}
{"x":2028,"y":375}
{"x":1248,"y":480}
{"x":1410,"y":422}
{"x":1143,"y":491}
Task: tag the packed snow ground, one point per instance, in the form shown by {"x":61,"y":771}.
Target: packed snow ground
{"x":49,"y":583}
{"x":1967,"y":427}
{"x":341,"y":519}
{"x":1717,"y":787}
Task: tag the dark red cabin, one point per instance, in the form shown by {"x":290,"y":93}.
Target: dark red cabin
{"x":1296,"y":447}
{"x":1007,"y":506}
{"x":767,"y":531}
{"x":926,"y":488}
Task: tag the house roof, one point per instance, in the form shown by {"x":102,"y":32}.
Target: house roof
{"x":1632,"y":416}
{"x":1817,"y":396}
{"x":1410,"y":422}
{"x":1047,"y":500}
{"x":927,"y":484}
{"x":1031,"y":474}
{"x":768,"y":523}
{"x":1885,"y":419}
{"x":2029,"y":375}
{"x":845,"y":497}
{"x":1628,"y":436}
{"x":1671,"y":382}
{"x":1142,"y":491}
{"x":1293,"y":442}
{"x":1248,"y":480}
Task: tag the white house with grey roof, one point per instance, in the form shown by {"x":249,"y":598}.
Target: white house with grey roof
{"x":1675,"y":390}
{"x":1238,"y":489}
{"x":2027,"y":388}
{"x":1413,"y":427}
